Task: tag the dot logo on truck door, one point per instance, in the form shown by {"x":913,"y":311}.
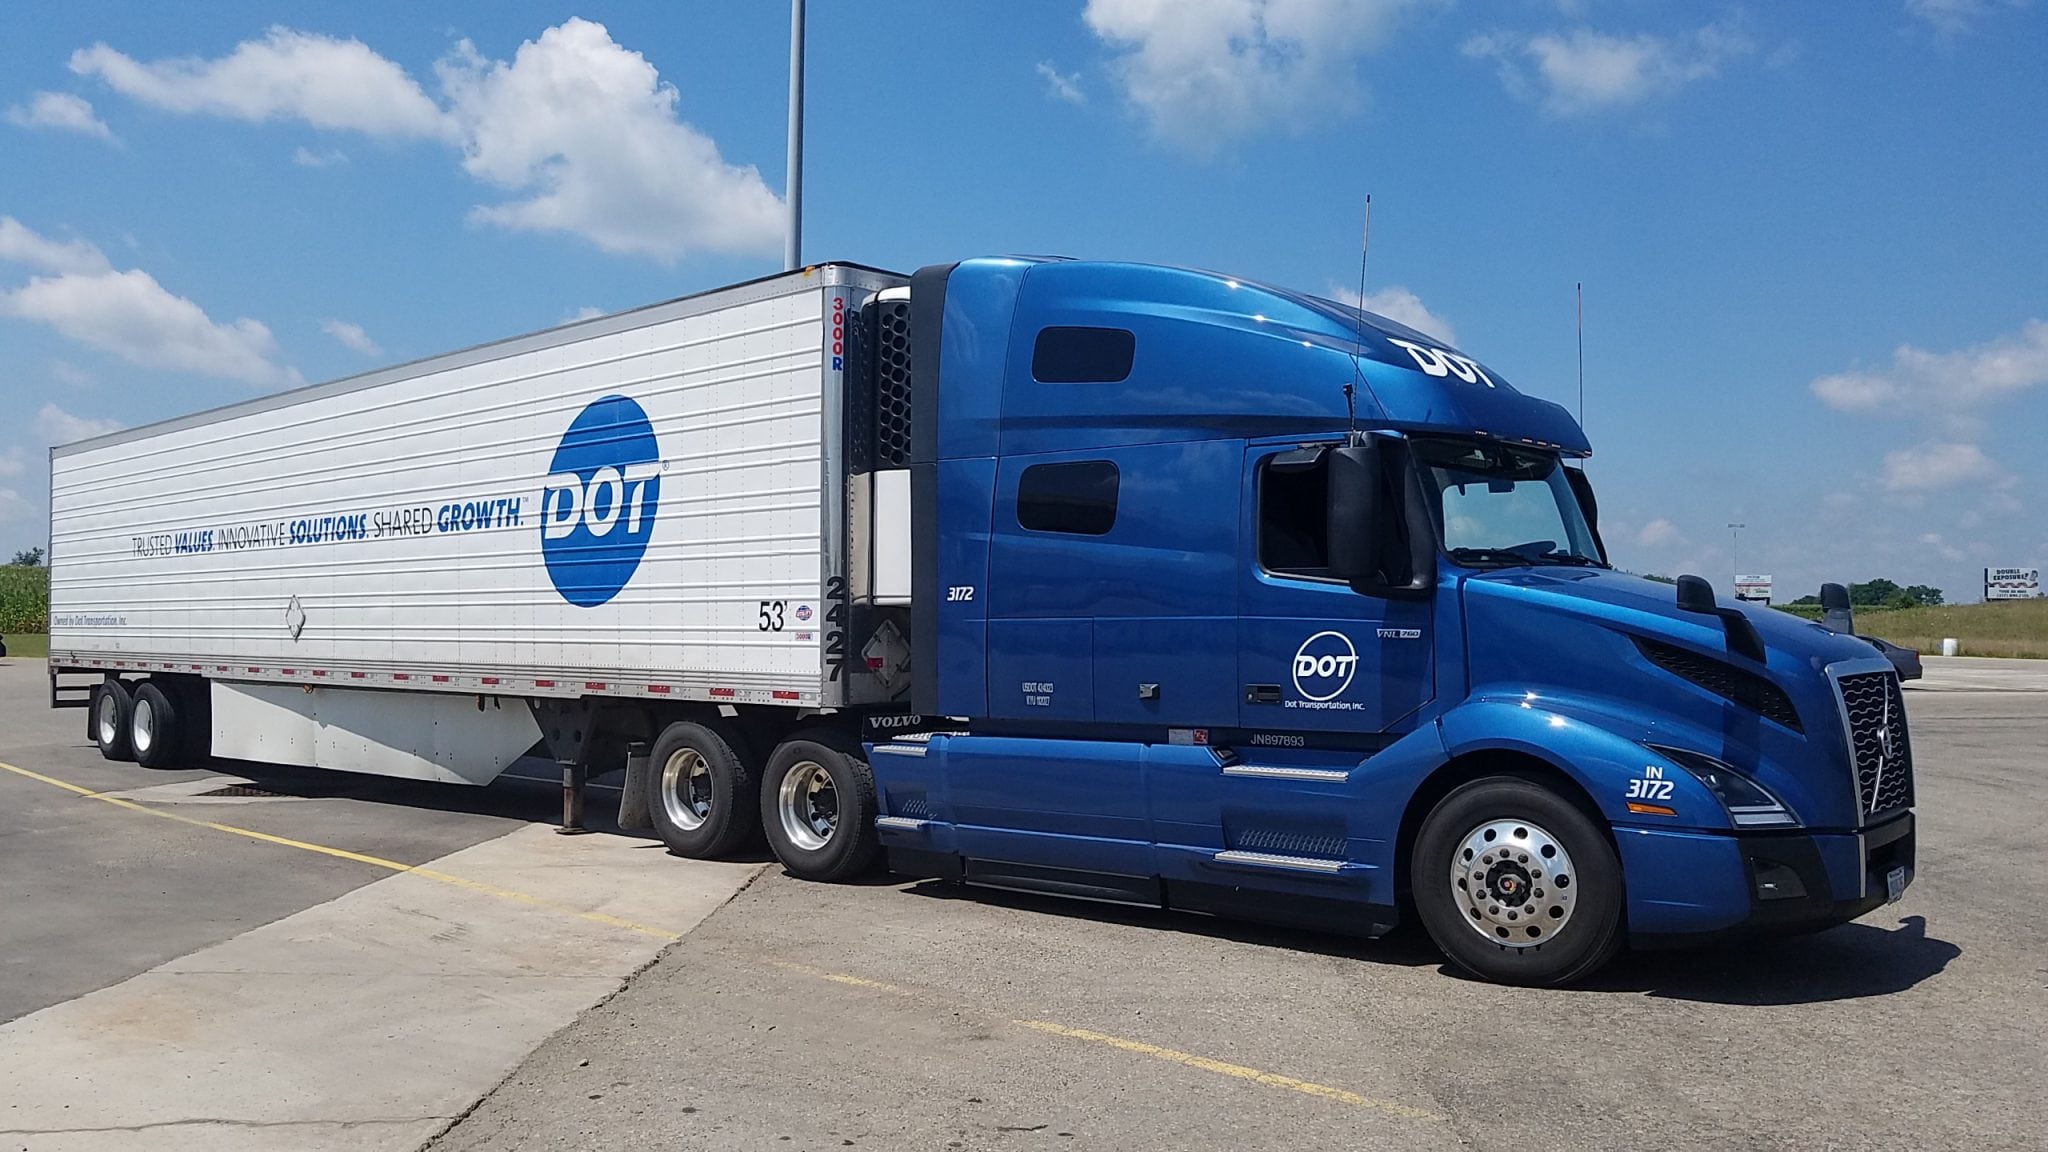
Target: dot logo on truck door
{"x":597,"y":509}
{"x":1324,"y":665}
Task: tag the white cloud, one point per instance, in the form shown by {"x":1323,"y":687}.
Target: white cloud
{"x":1402,"y":306}
{"x":1944,"y":382}
{"x":1062,"y":85}
{"x":287,"y":75}
{"x":11,"y":463}
{"x":1583,"y":71}
{"x":1952,"y":18}
{"x":1206,"y":72}
{"x":65,"y":372}
{"x":1947,"y":550}
{"x":590,"y":130}
{"x":1936,"y":465}
{"x":12,"y":506}
{"x":584,"y":313}
{"x":351,"y":336}
{"x":62,"y":111}
{"x":20,"y":245}
{"x":305,"y":157}
{"x":56,"y":426}
{"x":132,"y":316}
{"x":1659,"y":532}
{"x":585,"y":130}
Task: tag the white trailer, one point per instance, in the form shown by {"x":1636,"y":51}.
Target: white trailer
{"x":424,"y":571}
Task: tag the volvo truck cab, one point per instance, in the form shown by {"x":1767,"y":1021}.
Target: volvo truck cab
{"x":1236,"y":600}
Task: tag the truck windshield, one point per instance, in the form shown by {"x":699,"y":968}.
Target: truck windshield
{"x":1497,"y":505}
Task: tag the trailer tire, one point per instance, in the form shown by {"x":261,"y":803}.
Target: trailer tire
{"x":155,"y":731}
{"x":700,"y":793}
{"x":109,"y":719}
{"x":1516,"y":884}
{"x":818,"y":807}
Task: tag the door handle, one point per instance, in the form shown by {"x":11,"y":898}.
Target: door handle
{"x":1262,"y":693}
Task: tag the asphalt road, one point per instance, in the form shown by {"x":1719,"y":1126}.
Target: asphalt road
{"x":914,"y":1016}
{"x":91,"y":894}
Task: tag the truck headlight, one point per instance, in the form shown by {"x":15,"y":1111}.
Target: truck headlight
{"x":1749,"y":804}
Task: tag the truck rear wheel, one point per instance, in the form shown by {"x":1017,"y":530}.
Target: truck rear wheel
{"x":111,"y":705}
{"x":1516,"y":884}
{"x":818,"y":808}
{"x":155,"y":730}
{"x":701,"y":794}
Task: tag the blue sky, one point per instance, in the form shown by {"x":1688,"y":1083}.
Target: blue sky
{"x":1814,"y":236}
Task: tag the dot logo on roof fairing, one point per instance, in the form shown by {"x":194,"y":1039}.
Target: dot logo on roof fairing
{"x":598,"y":507}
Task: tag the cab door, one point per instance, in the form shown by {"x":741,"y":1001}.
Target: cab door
{"x":1316,"y":656}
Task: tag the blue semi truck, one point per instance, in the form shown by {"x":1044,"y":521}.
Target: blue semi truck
{"x":1132,"y":583}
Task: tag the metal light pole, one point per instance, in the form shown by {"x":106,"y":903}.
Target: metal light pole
{"x":793,"y":240}
{"x":1735,"y":534}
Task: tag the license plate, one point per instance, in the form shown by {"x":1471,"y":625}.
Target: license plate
{"x":1894,"y":885}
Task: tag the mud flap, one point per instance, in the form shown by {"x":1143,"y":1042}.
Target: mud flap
{"x":633,"y":813}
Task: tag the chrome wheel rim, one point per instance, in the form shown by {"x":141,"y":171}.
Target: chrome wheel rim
{"x":107,"y":717}
{"x":809,"y":805}
{"x":1514,"y":883}
{"x":142,"y":732}
{"x":686,"y":789}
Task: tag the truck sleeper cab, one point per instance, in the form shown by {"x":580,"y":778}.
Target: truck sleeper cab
{"x":1200,"y":638}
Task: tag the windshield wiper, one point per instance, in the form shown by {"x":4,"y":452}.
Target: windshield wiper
{"x":1568,"y":558}
{"x":1485,"y":555}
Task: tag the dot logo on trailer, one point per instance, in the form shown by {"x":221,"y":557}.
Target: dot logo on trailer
{"x":1324,"y":665}
{"x":598,"y":506}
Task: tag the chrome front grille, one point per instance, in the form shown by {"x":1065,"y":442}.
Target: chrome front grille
{"x":1878,"y":741}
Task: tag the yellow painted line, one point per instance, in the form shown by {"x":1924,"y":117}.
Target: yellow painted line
{"x":1139,"y":1047}
{"x":358,"y":857}
{"x":1223,"y":1068}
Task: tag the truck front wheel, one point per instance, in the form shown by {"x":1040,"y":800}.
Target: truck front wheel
{"x":701,"y":793}
{"x":1516,"y":884}
{"x":112,"y":706}
{"x":818,"y":808}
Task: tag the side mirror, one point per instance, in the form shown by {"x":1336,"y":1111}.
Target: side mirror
{"x":1357,"y":512}
{"x":1379,"y":542}
{"x":1696,"y":595}
{"x":1835,"y":615}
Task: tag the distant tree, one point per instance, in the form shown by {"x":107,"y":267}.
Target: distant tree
{"x":1876,"y":593}
{"x":1813,"y":600}
{"x":1659,"y":579}
{"x":28,"y":558}
{"x":1924,"y":596}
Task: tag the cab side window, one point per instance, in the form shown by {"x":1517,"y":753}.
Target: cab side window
{"x":1078,"y":498}
{"x":1294,"y":528}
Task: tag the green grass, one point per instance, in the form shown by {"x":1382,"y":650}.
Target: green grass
{"x":27,"y":645}
{"x":24,"y":599}
{"x":2002,"y":628}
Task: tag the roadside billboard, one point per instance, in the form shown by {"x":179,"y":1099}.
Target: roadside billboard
{"x":2012,"y":583}
{"x":1757,"y":588}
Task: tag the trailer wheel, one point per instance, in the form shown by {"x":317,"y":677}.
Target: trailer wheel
{"x":1516,"y":884}
{"x":111,"y":705}
{"x":156,"y":732}
{"x":818,"y":808}
{"x":701,"y":795}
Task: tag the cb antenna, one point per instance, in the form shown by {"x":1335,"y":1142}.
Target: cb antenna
{"x":1579,"y":289}
{"x":1358,"y":338}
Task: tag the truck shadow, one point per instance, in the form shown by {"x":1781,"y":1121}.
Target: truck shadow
{"x":1403,"y":948}
{"x":1850,"y":962}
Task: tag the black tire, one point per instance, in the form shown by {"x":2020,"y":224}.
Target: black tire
{"x":818,"y":807}
{"x":108,"y":717}
{"x":1576,"y":925}
{"x":156,"y":729}
{"x":701,"y":794}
